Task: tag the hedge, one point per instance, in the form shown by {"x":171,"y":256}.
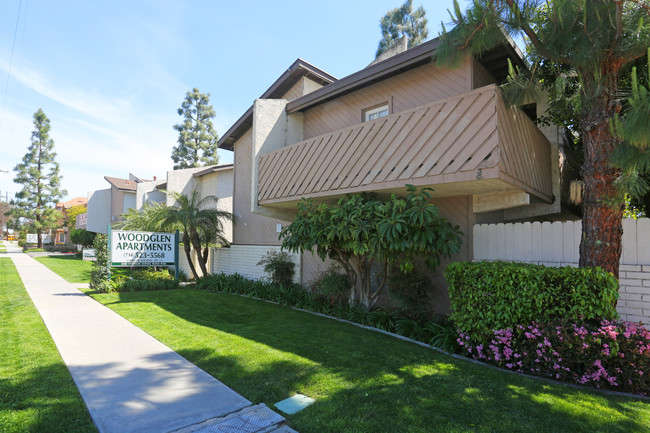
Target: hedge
{"x":487,"y":296}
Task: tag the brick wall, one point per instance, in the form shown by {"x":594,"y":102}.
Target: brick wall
{"x":634,"y":301}
{"x":243,"y":259}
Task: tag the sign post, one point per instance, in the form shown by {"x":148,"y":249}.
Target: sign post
{"x":176,"y":241}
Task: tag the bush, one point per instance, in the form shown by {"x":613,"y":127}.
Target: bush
{"x":412,"y":291}
{"x":500,"y":295}
{"x":278,"y":266}
{"x":101,"y":268}
{"x":606,"y":354}
{"x":332,"y":285}
{"x":143,"y":279}
{"x":82,"y":237}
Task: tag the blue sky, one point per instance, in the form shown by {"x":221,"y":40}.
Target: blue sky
{"x":110,"y":75}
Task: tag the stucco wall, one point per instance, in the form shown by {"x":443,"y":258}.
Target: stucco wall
{"x":250,"y":228}
{"x":220,"y":184}
{"x":99,"y":210}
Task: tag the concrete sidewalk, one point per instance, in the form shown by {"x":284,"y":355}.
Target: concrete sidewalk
{"x":130,"y":381}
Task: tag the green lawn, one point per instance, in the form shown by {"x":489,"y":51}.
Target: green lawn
{"x":37,"y":393}
{"x":363,"y":381}
{"x":73,"y":269}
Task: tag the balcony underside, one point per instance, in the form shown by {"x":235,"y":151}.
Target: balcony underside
{"x":467,"y":145}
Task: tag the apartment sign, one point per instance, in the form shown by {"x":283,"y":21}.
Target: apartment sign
{"x":134,"y":249}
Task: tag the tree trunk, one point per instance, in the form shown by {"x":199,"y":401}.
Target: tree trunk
{"x":196,"y":243}
{"x":602,"y":221}
{"x":187,"y":246}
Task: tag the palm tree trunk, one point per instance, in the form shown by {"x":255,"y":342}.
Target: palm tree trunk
{"x":602,"y":227}
{"x":187,"y":246}
{"x":196,"y":243}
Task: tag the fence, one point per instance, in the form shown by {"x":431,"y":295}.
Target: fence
{"x":558,"y":244}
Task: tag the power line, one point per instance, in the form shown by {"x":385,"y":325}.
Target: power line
{"x":11,"y":59}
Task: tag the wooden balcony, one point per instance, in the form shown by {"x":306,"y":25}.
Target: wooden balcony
{"x":466,"y":145}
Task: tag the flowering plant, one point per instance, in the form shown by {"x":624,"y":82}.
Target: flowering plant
{"x":605,"y":354}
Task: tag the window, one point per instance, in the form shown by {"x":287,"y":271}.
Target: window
{"x":375,"y":113}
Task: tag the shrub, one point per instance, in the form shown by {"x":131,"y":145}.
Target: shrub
{"x":501,"y":295}
{"x":332,"y":285}
{"x":101,"y":268}
{"x":143,"y":279}
{"x":605,"y":354}
{"x":278,"y":266}
{"x":412,"y":290}
{"x":82,"y":237}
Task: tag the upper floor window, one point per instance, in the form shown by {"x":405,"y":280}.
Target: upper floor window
{"x":375,"y":113}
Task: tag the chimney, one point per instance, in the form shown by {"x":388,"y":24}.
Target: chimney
{"x":400,"y":45}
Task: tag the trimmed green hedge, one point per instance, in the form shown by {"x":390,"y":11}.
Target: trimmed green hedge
{"x":498,"y":295}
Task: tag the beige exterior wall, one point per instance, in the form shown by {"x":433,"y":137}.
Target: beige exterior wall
{"x":244,"y":259}
{"x":250,"y":228}
{"x":220,"y":183}
{"x":419,"y":86}
{"x":480,"y":76}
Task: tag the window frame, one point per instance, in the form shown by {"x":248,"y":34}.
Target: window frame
{"x":376,"y":108}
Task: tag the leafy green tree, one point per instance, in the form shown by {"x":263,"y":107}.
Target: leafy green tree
{"x":592,"y":40}
{"x":71,"y":214}
{"x":82,"y":237}
{"x":198,"y":219}
{"x":403,"y":21}
{"x":39,"y":174}
{"x":197,"y":139}
{"x":361,"y":231}
{"x":5,"y":216}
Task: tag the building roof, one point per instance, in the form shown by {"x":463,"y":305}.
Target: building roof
{"x":77,"y":201}
{"x":495,"y":61}
{"x":213,"y":169}
{"x":291,"y":76}
{"x":122,"y":184}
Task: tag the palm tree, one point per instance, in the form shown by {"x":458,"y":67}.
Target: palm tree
{"x":200,"y":225}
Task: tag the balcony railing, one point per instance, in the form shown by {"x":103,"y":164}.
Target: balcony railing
{"x":467,"y":144}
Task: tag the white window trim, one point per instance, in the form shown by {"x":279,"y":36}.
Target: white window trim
{"x":376,"y":111}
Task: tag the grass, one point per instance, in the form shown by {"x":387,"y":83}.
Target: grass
{"x":37,"y":393}
{"x":73,"y":269}
{"x":362,"y":381}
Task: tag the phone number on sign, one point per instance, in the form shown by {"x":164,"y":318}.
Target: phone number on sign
{"x":142,"y":255}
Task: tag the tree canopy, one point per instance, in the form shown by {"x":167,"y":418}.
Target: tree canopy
{"x":403,"y":21}
{"x":591,"y":40}
{"x":197,"y":139}
{"x":38,"y":173}
{"x":362,"y":231}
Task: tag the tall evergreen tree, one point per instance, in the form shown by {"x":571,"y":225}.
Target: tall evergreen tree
{"x":592,"y":39}
{"x":197,"y":139}
{"x":403,"y":21}
{"x":38,"y":173}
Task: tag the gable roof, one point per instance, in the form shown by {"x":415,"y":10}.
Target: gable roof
{"x":77,"y":201}
{"x":286,"y":81}
{"x":122,"y":184}
{"x":213,"y":169}
{"x":495,"y":61}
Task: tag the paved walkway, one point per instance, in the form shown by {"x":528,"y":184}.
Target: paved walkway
{"x":130,"y":381}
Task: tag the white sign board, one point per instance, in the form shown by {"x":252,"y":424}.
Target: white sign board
{"x":88,"y":254}
{"x":81,"y":221}
{"x":32,"y":238}
{"x":130,"y":249}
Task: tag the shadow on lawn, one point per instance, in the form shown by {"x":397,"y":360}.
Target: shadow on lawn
{"x":43,"y":400}
{"x":365,"y":381}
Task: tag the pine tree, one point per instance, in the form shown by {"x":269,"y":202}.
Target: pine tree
{"x":39,"y":174}
{"x":592,"y":39}
{"x":403,"y":21}
{"x":197,"y":139}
